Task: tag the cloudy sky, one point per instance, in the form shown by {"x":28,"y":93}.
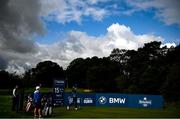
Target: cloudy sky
{"x":62,"y":30}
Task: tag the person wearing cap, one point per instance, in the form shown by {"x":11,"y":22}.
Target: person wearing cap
{"x":37,"y":102}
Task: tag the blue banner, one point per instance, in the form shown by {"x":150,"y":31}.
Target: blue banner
{"x":115,"y":100}
{"x":83,"y":99}
{"x":145,"y":101}
{"x":112,"y":99}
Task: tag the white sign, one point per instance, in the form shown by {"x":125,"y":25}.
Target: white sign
{"x":117,"y":100}
{"x":145,"y":102}
{"x":102,"y":100}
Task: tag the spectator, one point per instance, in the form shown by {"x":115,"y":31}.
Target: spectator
{"x":15,"y":99}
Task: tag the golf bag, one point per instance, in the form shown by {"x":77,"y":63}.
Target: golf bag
{"x":29,"y":105}
{"x":47,"y":107}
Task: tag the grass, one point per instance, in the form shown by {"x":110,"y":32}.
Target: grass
{"x":88,"y":112}
{"x":44,"y":90}
{"x":111,"y":112}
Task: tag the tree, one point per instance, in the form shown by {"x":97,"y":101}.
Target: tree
{"x":119,"y":55}
{"x":101,"y":76}
{"x":9,"y":80}
{"x":76,"y":73}
{"x":4,"y":79}
{"x":144,"y":65}
{"x":138,"y":68}
{"x":122,"y":83}
{"x":170,"y":86}
{"x":45,"y":72}
{"x":94,"y":73}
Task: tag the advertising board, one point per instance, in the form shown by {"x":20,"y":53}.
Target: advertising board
{"x":115,"y":100}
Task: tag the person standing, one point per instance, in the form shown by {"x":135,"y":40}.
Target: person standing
{"x":15,"y":99}
{"x":37,"y":102}
{"x":74,"y":94}
{"x":72,"y":101}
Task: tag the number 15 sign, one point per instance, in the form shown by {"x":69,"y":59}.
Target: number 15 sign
{"x":58,"y":92}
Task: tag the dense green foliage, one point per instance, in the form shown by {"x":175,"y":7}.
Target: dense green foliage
{"x":96,"y":73}
{"x":44,"y":73}
{"x":151,"y":69}
{"x":8,"y":80}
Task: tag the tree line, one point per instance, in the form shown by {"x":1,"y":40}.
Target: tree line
{"x":151,"y":69}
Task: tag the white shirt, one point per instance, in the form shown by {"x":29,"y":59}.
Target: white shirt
{"x":14,"y":92}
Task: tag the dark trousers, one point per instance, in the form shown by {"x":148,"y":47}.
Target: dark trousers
{"x":15,"y":104}
{"x":75,"y":101}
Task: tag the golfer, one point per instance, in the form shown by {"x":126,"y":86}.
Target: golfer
{"x":37,"y":102}
{"x":74,"y":94}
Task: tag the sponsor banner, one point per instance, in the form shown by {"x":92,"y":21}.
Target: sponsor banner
{"x":58,"y":92}
{"x":104,"y":99}
{"x":83,"y":99}
{"x":145,"y":101}
{"x":115,"y":100}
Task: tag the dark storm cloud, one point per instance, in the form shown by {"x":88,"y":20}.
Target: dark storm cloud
{"x":19,"y":21}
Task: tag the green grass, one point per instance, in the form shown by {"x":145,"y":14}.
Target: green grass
{"x":115,"y":112}
{"x":88,"y":112}
{"x":44,"y":90}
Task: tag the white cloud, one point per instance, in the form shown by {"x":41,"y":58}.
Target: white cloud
{"x":121,"y":36}
{"x":79,"y":44}
{"x":166,"y":11}
{"x":168,"y":45}
{"x":21,"y":21}
{"x":64,"y":11}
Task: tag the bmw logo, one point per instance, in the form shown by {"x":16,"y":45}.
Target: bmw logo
{"x":102,"y":100}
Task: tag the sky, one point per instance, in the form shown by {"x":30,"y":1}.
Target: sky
{"x":32,"y":31}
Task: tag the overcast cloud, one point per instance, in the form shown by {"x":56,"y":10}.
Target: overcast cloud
{"x":64,"y":11}
{"x":19,"y":20}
